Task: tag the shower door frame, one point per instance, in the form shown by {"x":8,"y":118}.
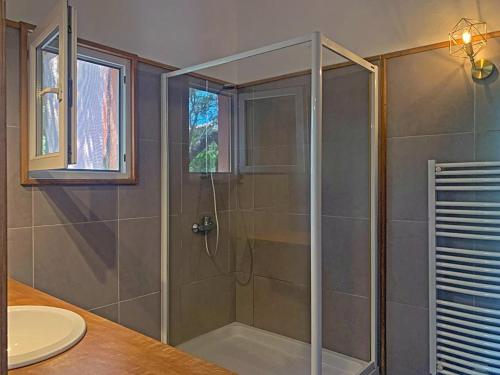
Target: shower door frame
{"x":318,"y":41}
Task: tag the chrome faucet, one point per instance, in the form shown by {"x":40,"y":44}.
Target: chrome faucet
{"x":206,"y":225}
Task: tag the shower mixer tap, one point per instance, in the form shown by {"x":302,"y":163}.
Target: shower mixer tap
{"x":205,"y":226}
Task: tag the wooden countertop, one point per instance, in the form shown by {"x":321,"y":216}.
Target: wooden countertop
{"x":107,"y":348}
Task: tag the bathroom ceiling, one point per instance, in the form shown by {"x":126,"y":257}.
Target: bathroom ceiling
{"x":185,"y":32}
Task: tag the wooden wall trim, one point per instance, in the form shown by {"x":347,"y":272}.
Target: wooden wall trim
{"x":25,"y":28}
{"x":3,"y":196}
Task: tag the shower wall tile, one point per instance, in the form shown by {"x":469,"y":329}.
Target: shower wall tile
{"x":190,"y":262}
{"x":206,"y":305}
{"x":407,"y":263}
{"x":107,"y":312}
{"x":282,"y":307}
{"x":244,"y":298}
{"x":143,"y":314}
{"x":178,"y":110}
{"x":407,"y":340}
{"x":175,"y":179}
{"x":78,"y":257}
{"x":346,"y":105}
{"x":149,"y":101}
{"x":346,"y":178}
{"x":197,"y":196}
{"x":12,"y":76}
{"x":429,"y":93}
{"x":277,"y":226}
{"x":74,"y":204}
{"x":143,"y":199}
{"x":19,"y":198}
{"x":407,"y":170}
{"x":284,"y":261}
{"x":346,"y":324}
{"x":242,"y":192}
{"x":346,"y":251}
{"x":140,"y":250}
{"x":20,"y":255}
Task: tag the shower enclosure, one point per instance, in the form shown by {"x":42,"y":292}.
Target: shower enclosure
{"x":269,"y":209}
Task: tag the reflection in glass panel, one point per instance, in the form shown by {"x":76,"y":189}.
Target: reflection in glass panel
{"x":48,"y":102}
{"x":98,"y":116}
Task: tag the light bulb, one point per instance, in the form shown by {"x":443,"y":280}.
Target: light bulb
{"x":466,"y":37}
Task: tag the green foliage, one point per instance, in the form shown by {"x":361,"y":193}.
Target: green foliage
{"x":203,"y":131}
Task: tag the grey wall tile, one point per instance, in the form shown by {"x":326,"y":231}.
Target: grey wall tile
{"x":190,"y":261}
{"x":277,"y":226}
{"x":487,"y":143}
{"x":20,"y":255}
{"x":429,"y":93}
{"x":74,"y":204}
{"x":175,"y":179}
{"x":346,"y":178}
{"x":346,"y":107}
{"x":140,"y":253}
{"x":242,"y":191}
{"x":78,"y":263}
{"x":12,"y":75}
{"x":197,"y":195}
{"x":346,"y":324}
{"x":206,"y":305}
{"x":407,"y":170}
{"x":282,"y":307}
{"x":143,"y":314}
{"x":346,"y":255}
{"x":244,"y":298}
{"x":19,"y":198}
{"x":143,"y":199}
{"x":178,"y":110}
{"x":487,"y":93}
{"x":107,"y":312}
{"x":407,"y":263}
{"x":148,"y":104}
{"x":283,"y":261}
{"x":407,"y":340}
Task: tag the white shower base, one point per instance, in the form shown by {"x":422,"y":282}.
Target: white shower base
{"x":249,"y":351}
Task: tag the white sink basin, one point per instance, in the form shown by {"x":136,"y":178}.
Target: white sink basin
{"x":36,"y":333}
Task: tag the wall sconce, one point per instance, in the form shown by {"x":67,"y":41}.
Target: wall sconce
{"x":467,"y":38}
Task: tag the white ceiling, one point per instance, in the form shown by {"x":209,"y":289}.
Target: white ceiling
{"x":185,"y":32}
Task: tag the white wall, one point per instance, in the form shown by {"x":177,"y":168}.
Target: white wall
{"x":186,"y":32}
{"x":368,"y":27}
{"x":175,"y":32}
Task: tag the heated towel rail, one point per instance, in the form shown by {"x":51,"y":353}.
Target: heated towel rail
{"x":464,"y":268}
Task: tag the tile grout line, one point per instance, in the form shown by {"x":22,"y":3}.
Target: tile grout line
{"x":142,"y":296}
{"x":431,"y":135}
{"x":94,"y":221}
{"x":118,"y":252}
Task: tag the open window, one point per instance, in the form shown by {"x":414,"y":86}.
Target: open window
{"x":78,"y":109}
{"x":52,"y":49}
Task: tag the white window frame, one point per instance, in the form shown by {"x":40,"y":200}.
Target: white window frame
{"x":62,"y":19}
{"x":125,"y":127}
{"x":299,"y":167}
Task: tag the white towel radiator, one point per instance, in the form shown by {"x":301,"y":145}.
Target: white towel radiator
{"x":464,"y":268}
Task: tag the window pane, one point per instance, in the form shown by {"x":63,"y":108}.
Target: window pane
{"x":48,"y":102}
{"x":98,"y":117}
{"x":208,"y":146}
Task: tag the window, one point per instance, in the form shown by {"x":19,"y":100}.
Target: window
{"x":209,"y":130}
{"x":79,"y":100}
{"x":272,"y":134}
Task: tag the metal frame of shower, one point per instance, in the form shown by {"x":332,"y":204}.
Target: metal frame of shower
{"x":318,"y":42}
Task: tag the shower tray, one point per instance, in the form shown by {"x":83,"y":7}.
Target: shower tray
{"x":249,"y":350}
